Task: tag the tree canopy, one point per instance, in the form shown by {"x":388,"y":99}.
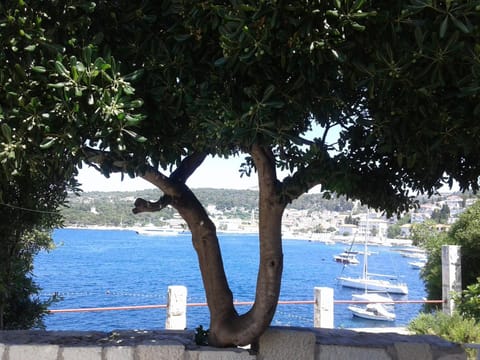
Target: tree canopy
{"x":389,"y":89}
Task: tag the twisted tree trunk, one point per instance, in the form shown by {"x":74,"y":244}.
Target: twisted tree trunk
{"x":227,"y":327}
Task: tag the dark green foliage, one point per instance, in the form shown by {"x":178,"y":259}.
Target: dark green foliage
{"x":34,"y":177}
{"x":441,"y":216}
{"x":29,"y":213}
{"x":464,"y":232}
{"x":468,"y":302}
{"x":351,"y":220}
{"x":393,"y":231}
{"x":23,"y":308}
{"x":390,"y":88}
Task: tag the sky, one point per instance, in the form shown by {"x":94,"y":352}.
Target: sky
{"x":213,"y":173}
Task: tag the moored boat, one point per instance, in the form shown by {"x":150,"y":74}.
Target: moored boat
{"x":372,"y":312}
{"x":346,"y":258}
{"x":157,"y":231}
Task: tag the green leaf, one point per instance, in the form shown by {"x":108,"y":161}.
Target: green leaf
{"x":419,"y":37}
{"x":275,"y":104}
{"x":133,"y":120}
{"x":39,"y":69}
{"x":357,"y":26}
{"x":136,"y":103}
{"x":182,"y":37}
{"x":268,"y":92}
{"x":133,"y":76}
{"x":30,"y":47}
{"x":61,"y":69}
{"x":443,"y":27}
{"x":80,"y":67}
{"x":7,"y":132}
{"x":460,"y":25}
{"x":221,"y":61}
{"x":47,"y":142}
{"x":358,"y":5}
{"x":137,"y":137}
{"x":87,"y":54}
{"x":57,"y":85}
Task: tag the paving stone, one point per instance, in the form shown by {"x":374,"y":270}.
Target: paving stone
{"x":82,"y":353}
{"x":160,"y":351}
{"x":119,"y":353}
{"x":36,"y":352}
{"x":209,"y":353}
{"x":409,"y":351}
{"x":279,"y":344}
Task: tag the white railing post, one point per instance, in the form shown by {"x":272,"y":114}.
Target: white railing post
{"x":323,"y":308}
{"x":451,"y":275}
{"x":176,"y":308}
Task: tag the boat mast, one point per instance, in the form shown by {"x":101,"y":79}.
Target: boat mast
{"x":365,"y":256}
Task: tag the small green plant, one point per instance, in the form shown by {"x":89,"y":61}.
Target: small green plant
{"x":201,"y":336}
{"x":455,"y":328}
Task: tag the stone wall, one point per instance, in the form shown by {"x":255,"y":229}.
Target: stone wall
{"x":278,"y":343}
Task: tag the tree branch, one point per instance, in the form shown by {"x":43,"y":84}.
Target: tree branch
{"x":168,"y":184}
{"x":188,"y":166}
{"x":142,"y":205}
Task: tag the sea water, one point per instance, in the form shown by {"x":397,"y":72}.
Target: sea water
{"x":109,"y":268}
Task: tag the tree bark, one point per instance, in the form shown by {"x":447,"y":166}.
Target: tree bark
{"x":227,"y":327}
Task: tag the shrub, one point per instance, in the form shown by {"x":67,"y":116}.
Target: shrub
{"x":468,"y":302}
{"x":455,"y":328}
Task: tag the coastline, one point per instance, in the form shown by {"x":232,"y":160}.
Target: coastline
{"x":327,"y":238}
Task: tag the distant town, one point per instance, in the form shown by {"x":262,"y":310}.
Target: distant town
{"x":312,"y":217}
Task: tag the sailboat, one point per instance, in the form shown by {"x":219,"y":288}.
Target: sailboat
{"x":373,"y":297}
{"x":367,"y":283}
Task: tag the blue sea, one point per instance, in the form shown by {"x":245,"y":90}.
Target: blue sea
{"x":106,"y":268}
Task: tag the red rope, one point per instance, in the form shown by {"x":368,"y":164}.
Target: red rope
{"x":238,"y":303}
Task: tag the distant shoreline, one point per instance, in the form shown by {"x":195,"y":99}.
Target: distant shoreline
{"x":332,"y":239}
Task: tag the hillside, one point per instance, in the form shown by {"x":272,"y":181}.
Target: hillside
{"x":114,"y":208}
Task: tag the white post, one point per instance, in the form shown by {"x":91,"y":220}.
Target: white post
{"x":323,"y":308}
{"x":176,"y":308}
{"x":451,"y":275}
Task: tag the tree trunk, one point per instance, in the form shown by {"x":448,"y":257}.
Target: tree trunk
{"x":227,"y":327}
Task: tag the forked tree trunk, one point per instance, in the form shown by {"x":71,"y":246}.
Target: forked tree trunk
{"x":227,"y":327}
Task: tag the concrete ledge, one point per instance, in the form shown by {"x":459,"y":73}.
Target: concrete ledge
{"x":277,"y":343}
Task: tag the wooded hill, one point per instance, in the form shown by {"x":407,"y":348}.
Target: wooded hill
{"x":114,"y":208}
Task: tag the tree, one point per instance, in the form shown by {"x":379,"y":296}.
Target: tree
{"x":426,"y":236}
{"x":441,"y":216}
{"x":141,"y":87}
{"x":351,"y":220}
{"x":464,"y":232}
{"x":33,"y":182}
{"x":29,"y":202}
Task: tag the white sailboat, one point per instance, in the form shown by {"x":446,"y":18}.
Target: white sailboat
{"x":373,"y":284}
{"x":367,"y":283}
{"x":373,"y":297}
